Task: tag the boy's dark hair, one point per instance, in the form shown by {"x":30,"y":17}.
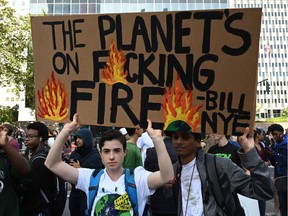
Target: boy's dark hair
{"x":112,"y":135}
{"x":227,"y":137}
{"x":9,"y":127}
{"x":130,"y":131}
{"x":276,"y":127}
{"x":198,"y":136}
{"x":41,"y":128}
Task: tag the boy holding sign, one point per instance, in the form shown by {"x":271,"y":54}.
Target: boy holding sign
{"x":112,"y":185}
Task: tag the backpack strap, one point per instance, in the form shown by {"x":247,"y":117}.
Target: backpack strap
{"x":130,"y":188}
{"x":38,"y":156}
{"x":44,"y":156}
{"x":57,"y":185}
{"x":212,"y":176}
{"x":93,"y":189}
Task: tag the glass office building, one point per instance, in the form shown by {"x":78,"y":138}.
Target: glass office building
{"x":273,"y":60}
{"x":65,"y":7}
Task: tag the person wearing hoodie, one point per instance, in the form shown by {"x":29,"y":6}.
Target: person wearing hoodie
{"x":85,"y":156}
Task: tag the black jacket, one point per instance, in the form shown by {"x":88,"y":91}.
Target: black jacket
{"x":161,"y":201}
{"x":87,"y":155}
{"x":40,"y":177}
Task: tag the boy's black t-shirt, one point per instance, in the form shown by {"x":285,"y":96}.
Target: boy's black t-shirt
{"x":228,"y":151}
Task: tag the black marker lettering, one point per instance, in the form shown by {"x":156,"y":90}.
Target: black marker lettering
{"x":80,"y":96}
{"x":207,"y":17}
{"x":244,"y":35}
{"x":104,"y":32}
{"x":122,"y":102}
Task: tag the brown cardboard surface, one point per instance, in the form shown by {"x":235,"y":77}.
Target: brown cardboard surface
{"x":185,"y":70}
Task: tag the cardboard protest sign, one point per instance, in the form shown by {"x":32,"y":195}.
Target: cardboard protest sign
{"x":185,"y":70}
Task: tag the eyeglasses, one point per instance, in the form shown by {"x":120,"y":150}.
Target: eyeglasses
{"x":31,"y":136}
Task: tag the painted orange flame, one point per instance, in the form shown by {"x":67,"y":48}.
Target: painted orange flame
{"x":177,"y":105}
{"x":52,"y":99}
{"x":114,"y":69}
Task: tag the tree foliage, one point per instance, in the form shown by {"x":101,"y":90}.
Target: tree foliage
{"x":285,"y":112}
{"x":16,"y":65}
{"x":8,"y":114}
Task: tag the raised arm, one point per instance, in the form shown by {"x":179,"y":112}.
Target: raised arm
{"x":54,"y":161}
{"x":165,"y":174}
{"x":246,"y":143}
{"x":18,"y":161}
{"x":257,"y":185}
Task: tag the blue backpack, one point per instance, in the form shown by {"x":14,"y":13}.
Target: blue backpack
{"x":130,"y":188}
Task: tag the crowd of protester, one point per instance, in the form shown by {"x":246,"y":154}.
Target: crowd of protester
{"x":28,"y":170}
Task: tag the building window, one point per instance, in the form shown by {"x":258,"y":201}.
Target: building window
{"x":83,"y":8}
{"x":66,"y":9}
{"x":75,"y":8}
{"x":58,"y":9}
{"x":92,"y":8}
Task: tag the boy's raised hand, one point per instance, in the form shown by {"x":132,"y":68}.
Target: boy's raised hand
{"x":74,"y":125}
{"x":153,"y":133}
{"x":246,"y":143}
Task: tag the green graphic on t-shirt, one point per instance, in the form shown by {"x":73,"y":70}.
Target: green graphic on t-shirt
{"x":113,"y":205}
{"x":224,"y":155}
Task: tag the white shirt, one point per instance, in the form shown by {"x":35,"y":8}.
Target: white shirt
{"x":144,"y":142}
{"x":195,"y":204}
{"x":109,"y":189}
